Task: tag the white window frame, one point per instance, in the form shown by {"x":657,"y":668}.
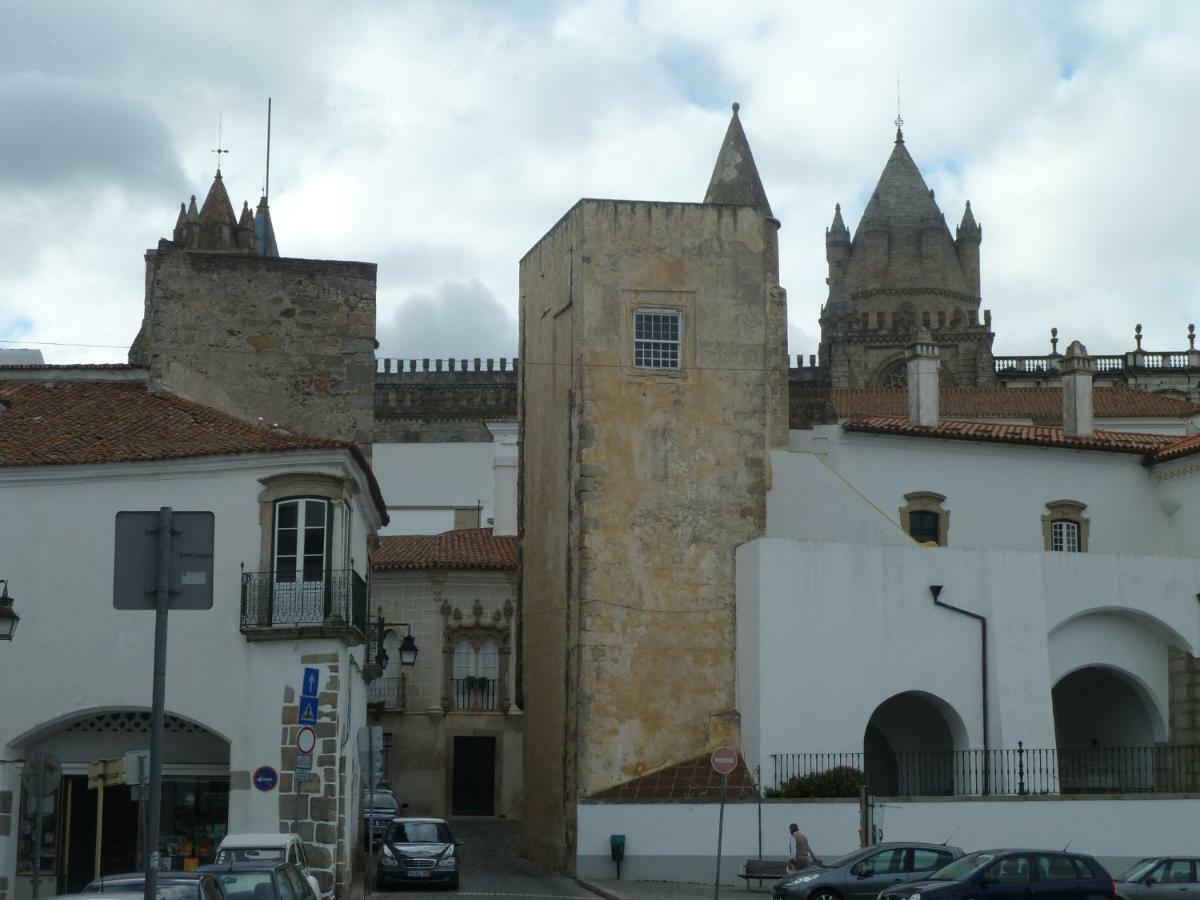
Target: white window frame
{"x":1065,"y":536}
{"x":649,"y":353}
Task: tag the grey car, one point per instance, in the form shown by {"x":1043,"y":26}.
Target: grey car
{"x":1160,"y":878}
{"x":864,"y":873}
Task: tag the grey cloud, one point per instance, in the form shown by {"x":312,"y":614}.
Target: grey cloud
{"x":458,"y":319}
{"x":70,"y":132}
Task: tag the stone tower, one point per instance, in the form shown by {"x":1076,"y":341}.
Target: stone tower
{"x":903,"y":270}
{"x":652,"y":387}
{"x":231,"y":324}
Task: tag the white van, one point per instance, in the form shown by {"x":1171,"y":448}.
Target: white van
{"x":281,"y":847}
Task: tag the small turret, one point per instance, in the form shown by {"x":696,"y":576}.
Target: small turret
{"x":264,"y":231}
{"x":245,"y":229}
{"x":969,"y":236}
{"x":217,"y":222}
{"x":735,"y":178}
{"x":837,"y":247}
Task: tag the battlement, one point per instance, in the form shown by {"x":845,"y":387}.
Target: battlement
{"x":442,"y":400}
{"x":453,"y":366}
{"x":900,"y":324}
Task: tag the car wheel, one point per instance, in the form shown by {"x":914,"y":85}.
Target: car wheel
{"x":824,"y":894}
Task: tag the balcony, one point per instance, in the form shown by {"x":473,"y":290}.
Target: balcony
{"x":274,"y":608}
{"x":472,"y":693}
{"x":387,"y":692}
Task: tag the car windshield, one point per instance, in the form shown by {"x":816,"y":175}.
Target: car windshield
{"x":247,"y":885}
{"x":962,"y":867}
{"x":1138,"y":870}
{"x":249,"y":854}
{"x":187,"y":890}
{"x":380,"y":800}
{"x":419,"y":833}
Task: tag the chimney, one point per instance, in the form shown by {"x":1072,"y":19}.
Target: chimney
{"x":922,"y":362}
{"x":1076,"y":368}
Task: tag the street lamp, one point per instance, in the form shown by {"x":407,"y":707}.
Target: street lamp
{"x":9,"y":619}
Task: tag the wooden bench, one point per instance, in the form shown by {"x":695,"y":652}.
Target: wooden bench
{"x":761,"y":870}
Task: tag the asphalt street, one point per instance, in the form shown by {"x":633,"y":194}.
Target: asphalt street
{"x":496,"y":884}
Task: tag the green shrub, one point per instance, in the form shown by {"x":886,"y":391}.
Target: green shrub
{"x":840,"y":781}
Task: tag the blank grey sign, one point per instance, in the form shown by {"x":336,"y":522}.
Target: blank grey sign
{"x":135,"y":571}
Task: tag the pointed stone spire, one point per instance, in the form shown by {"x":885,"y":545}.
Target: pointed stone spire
{"x":182,"y":217}
{"x":192,"y":214}
{"x":735,"y":180}
{"x":969,"y":227}
{"x":264,"y":231}
{"x":839,"y":226}
{"x":245,"y":220}
{"x":217,"y":209}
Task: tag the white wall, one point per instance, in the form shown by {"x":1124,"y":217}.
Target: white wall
{"x":837,"y":628}
{"x":74,"y":653}
{"x":678,"y":841}
{"x":443,"y":476}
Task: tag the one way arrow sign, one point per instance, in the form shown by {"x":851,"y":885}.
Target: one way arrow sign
{"x":312,"y":681}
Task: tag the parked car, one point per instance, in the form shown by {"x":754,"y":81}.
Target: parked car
{"x":1159,"y":877}
{"x":864,"y":873}
{"x":267,"y":847}
{"x":1012,"y":875}
{"x":418,"y":851}
{"x":379,"y":808}
{"x":171,"y":885}
{"x":261,"y":880}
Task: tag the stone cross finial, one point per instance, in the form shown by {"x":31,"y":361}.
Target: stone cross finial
{"x":1054,"y":341}
{"x":1137,"y":334}
{"x":1191,"y":337}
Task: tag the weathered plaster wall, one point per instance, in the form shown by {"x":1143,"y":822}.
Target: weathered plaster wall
{"x":638,"y":485}
{"x":289,"y":340}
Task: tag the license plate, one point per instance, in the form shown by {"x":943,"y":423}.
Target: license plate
{"x":417,"y":873}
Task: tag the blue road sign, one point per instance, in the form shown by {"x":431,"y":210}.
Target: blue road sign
{"x":265,"y":778}
{"x":308,"y":711}
{"x":312,"y":682}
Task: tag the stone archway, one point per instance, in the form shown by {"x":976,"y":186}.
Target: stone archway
{"x":911,"y":744}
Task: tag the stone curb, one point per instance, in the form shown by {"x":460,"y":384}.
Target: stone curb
{"x":597,"y":890}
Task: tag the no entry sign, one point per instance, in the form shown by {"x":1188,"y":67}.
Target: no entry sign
{"x":724,"y":760}
{"x":306,"y":740}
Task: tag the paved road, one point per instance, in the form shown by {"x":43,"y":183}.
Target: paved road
{"x":491,"y":868}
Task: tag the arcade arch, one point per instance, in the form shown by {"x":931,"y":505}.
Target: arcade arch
{"x":909,"y":746}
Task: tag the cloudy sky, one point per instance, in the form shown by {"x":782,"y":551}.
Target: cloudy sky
{"x":442,"y":139}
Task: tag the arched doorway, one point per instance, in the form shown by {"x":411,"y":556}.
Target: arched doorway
{"x":910,"y":744}
{"x":77,"y":821}
{"x":1105,"y":727}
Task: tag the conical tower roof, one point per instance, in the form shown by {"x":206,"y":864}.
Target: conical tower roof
{"x":901,"y":196}
{"x":838,"y":228}
{"x":735,"y":178}
{"x":217,"y":209}
{"x":264,"y":230}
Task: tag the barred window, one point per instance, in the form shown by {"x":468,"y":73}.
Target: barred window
{"x":656,"y":338}
{"x":1064,"y":536}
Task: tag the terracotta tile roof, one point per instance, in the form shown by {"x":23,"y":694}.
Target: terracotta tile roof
{"x":1042,"y":405}
{"x":466,"y":548}
{"x":1186,"y":446}
{"x":691,"y":780}
{"x":1038,"y":435}
{"x":75,"y":423}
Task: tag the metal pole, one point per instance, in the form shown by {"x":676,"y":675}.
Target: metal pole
{"x":39,"y":760}
{"x":370,"y":815}
{"x":162,"y":588}
{"x":99,"y":827}
{"x":758,"y":778}
{"x":720,"y":834}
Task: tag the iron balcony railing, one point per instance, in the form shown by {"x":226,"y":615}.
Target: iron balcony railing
{"x":1020,"y":771}
{"x":476,"y":693}
{"x":386,"y":691}
{"x":273,"y":601}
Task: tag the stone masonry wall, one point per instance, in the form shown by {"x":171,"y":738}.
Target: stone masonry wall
{"x":1183,"y":672}
{"x":287,"y":341}
{"x":318,"y":809}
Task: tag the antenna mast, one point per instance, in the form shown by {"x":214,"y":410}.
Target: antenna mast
{"x":267,"y":186}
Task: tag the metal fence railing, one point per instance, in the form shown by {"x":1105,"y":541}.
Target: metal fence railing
{"x":476,"y":692}
{"x":1019,"y":771}
{"x":386,"y":691}
{"x":271,"y":600}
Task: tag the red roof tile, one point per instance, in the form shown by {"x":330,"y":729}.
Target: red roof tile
{"x":1181,"y":447}
{"x":75,"y":423}
{"x":691,"y":780}
{"x":466,"y":548}
{"x":1039,"y":435}
{"x":1042,"y":405}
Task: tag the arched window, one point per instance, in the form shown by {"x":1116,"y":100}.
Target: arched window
{"x":925,"y":518}
{"x":1064,"y":528}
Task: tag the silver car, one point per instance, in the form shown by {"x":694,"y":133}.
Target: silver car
{"x":1160,"y":878}
{"x":864,"y":873}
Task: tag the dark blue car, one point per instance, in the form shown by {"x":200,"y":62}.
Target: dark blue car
{"x":1012,"y":875}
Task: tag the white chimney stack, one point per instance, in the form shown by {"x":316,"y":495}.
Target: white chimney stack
{"x":1076,"y":368}
{"x":922,"y":370}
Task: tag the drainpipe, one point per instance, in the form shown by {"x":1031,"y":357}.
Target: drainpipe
{"x":936,"y":591}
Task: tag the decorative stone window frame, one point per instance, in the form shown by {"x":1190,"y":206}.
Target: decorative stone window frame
{"x":498,"y":628}
{"x":297,"y":485}
{"x":683,"y":303}
{"x":1065,"y":511}
{"x":926,"y":501}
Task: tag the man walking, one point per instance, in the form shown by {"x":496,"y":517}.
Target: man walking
{"x":801,"y":855}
